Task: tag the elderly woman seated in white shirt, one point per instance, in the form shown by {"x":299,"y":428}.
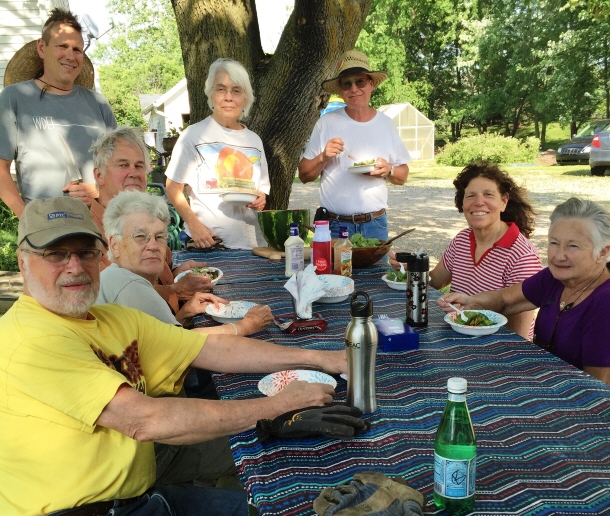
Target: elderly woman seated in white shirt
{"x":135,"y":224}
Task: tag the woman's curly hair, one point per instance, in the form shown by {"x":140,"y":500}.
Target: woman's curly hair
{"x":518,"y":209}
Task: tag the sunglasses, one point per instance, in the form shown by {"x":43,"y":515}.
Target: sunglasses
{"x":360,"y":83}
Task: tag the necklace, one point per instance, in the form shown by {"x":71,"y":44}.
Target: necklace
{"x":47,"y":86}
{"x":563,"y":306}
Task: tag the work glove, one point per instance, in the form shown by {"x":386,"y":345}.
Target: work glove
{"x":336,"y":421}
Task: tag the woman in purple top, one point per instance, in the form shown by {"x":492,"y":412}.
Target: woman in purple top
{"x":573,"y":293}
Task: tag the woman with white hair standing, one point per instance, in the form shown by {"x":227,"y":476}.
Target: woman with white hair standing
{"x":573,"y":293}
{"x":220,"y":153}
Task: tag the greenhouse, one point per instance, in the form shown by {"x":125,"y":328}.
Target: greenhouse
{"x":416,"y":131}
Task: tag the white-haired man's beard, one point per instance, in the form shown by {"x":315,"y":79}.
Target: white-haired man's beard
{"x":62,"y":301}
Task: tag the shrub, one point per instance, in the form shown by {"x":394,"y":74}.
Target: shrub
{"x":489,"y":147}
{"x":8,"y":239}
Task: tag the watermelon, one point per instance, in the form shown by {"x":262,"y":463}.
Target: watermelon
{"x":275,"y":225}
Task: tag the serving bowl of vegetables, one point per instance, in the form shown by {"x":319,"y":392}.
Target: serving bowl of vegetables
{"x":367,"y":251}
{"x":480,"y":322}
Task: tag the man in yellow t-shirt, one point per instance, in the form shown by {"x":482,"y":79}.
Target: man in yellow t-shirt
{"x":78,"y":413}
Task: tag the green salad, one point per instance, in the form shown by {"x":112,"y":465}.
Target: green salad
{"x":474,"y":319}
{"x":364,"y":163}
{"x":358,"y":240}
{"x":204,"y":271}
{"x":400,"y":277}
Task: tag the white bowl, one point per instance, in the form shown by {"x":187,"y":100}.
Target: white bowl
{"x":273,"y":383}
{"x":396,"y":285}
{"x":239,"y":197}
{"x":191,"y":271}
{"x":337,"y":288}
{"x":232,"y":312}
{"x":362,"y":169}
{"x":499,"y":319}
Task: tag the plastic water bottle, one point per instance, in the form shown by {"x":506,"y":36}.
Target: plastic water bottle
{"x":342,"y":254}
{"x":455,"y":453}
{"x":320,"y":248}
{"x":294,"y":247}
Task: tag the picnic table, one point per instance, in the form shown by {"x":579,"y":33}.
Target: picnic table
{"x":542,"y":426}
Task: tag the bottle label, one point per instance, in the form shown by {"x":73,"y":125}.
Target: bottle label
{"x":346,"y":262}
{"x":452,"y":396}
{"x":454,"y":478}
{"x":295,"y":261}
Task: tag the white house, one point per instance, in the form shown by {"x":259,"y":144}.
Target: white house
{"x":20,"y":22}
{"x":170,"y":110}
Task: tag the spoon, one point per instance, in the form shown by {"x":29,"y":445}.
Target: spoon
{"x":402,"y":268}
{"x":398,"y":236}
{"x":461,"y":312}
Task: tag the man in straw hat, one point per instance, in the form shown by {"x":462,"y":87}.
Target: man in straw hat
{"x":345,"y":137}
{"x":49,"y":116}
{"x":77,"y":383}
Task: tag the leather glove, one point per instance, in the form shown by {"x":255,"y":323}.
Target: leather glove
{"x":336,"y":421}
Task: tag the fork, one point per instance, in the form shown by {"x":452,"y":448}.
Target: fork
{"x":461,"y":312}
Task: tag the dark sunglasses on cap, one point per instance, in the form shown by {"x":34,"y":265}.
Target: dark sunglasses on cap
{"x":360,"y":82}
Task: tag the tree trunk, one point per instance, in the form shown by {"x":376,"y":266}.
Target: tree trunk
{"x":286,"y":84}
{"x":536,"y":127}
{"x":573,"y":128}
{"x":543,"y":135}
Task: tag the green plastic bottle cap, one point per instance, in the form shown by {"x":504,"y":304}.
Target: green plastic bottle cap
{"x":456,"y":385}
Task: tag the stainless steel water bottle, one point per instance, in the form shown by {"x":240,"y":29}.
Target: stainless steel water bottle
{"x":361,"y":345}
{"x":418,"y":275}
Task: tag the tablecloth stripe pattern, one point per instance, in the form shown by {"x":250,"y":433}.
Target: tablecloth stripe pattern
{"x":542,"y":426}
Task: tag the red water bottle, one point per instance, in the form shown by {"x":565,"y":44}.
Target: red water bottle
{"x":321,"y":249}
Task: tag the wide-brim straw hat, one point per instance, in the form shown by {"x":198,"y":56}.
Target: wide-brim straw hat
{"x":26,"y":64}
{"x":352,"y":62}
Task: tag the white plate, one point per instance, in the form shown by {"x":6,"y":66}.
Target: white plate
{"x":499,"y":319}
{"x":232,"y":312}
{"x":214,"y":281}
{"x":337,"y":288}
{"x":396,"y":285}
{"x":239,"y":197}
{"x":273,"y":383}
{"x":362,"y":169}
{"x":329,"y":300}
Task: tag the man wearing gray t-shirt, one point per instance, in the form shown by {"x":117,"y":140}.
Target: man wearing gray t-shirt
{"x":48,"y":123}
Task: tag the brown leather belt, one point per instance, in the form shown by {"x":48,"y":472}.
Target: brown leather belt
{"x":98,"y":508}
{"x":358,"y":218}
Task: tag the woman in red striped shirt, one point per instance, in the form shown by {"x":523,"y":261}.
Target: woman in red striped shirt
{"x":494,"y":252}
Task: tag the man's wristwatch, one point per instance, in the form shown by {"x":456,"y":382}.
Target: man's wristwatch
{"x":391,"y":171}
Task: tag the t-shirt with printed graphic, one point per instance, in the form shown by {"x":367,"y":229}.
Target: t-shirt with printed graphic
{"x":56,"y":376}
{"x":32,"y":129}
{"x":211,"y":160}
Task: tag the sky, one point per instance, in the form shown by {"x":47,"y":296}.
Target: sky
{"x":272,"y":16}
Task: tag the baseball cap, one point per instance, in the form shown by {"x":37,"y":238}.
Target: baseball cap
{"x":45,"y":221}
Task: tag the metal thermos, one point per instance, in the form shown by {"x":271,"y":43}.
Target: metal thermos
{"x":361,"y":345}
{"x":418,"y":275}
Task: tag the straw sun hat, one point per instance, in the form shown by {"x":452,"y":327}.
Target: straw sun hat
{"x":26,"y":64}
{"x":353,"y":62}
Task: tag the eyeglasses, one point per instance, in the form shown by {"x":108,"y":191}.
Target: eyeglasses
{"x":360,"y":82}
{"x":236,"y":91}
{"x":144,"y":238}
{"x":63,"y":256}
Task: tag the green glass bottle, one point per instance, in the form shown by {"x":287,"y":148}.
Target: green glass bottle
{"x":455,"y":453}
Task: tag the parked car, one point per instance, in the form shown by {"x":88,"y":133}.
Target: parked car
{"x":576,"y":150}
{"x":599,"y":156}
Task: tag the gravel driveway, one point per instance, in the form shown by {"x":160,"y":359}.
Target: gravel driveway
{"x":428,"y":204}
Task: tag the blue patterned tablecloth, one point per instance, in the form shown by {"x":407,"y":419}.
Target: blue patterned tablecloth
{"x":542,"y":426}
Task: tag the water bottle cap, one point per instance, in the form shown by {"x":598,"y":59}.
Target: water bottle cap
{"x":294,"y":224}
{"x":343,"y":232}
{"x":421,"y":263}
{"x":359,"y":308}
{"x":456,"y":385}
